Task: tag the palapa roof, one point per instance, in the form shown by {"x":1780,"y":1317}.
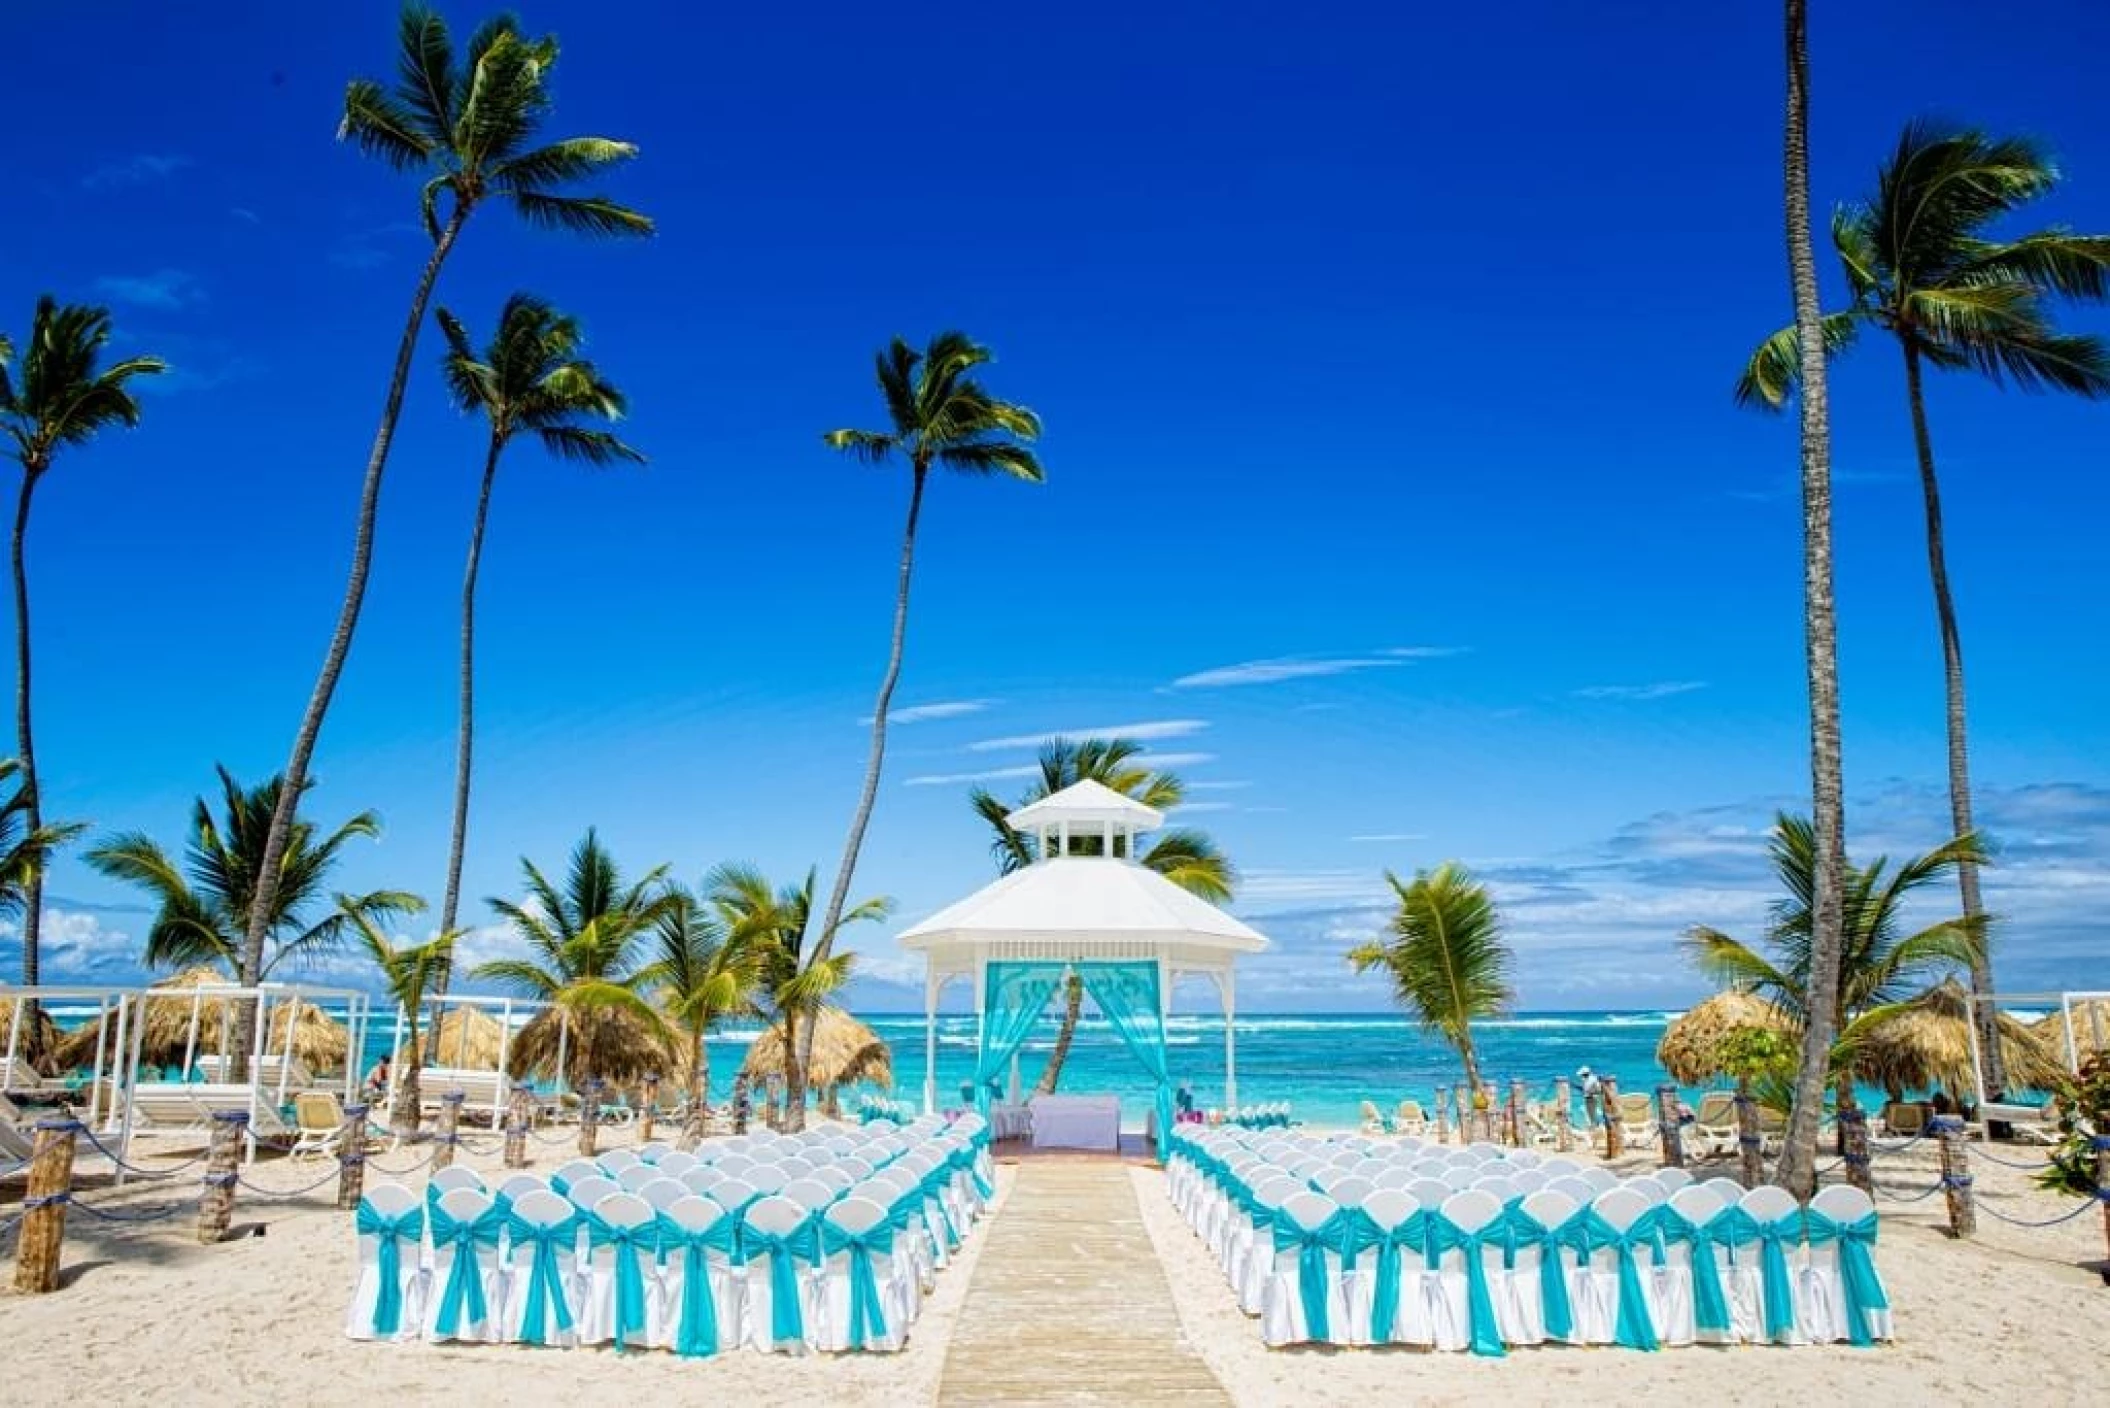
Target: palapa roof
{"x":319,"y":1042}
{"x":1695,"y":1045}
{"x":465,"y":1038}
{"x":2091,"y":1029}
{"x":845,"y":1052}
{"x":607,"y":1044}
{"x":1929,"y":1044}
{"x":34,"y":1040}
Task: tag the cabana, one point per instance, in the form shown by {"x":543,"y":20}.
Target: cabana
{"x":1084,"y":907}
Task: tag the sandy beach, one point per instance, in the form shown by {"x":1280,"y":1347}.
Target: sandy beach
{"x":148,"y":1315}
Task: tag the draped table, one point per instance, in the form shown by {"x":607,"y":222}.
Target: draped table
{"x":1077,"y":1122}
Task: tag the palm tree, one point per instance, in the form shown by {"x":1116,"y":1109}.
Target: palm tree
{"x":531,"y":378}
{"x":1880,"y":967}
{"x":23,"y":847}
{"x":205,"y":904}
{"x":1797,"y":1168}
{"x":939,"y":416}
{"x":1445,"y":956}
{"x":796,"y":978}
{"x":704,"y":973}
{"x":1188,"y":858}
{"x":410,"y":973}
{"x":61,"y":400}
{"x":468,"y":125}
{"x":589,"y":948}
{"x":1920,"y":266}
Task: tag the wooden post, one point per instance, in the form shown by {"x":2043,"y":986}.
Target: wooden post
{"x":644,"y":1124}
{"x":40,"y":1242}
{"x":589,"y":1118}
{"x":1853,"y":1128}
{"x":1443,"y":1115}
{"x":2101,"y":1142}
{"x":1956,"y":1174}
{"x":1667,"y":1127}
{"x":1614,"y":1136}
{"x":519,"y":1119}
{"x":351,"y":1158}
{"x":1750,"y":1143}
{"x":1462,"y":1102}
{"x":1561,"y":1131}
{"x":450,"y":1130}
{"x":223,"y":1158}
{"x":1517,"y":1137}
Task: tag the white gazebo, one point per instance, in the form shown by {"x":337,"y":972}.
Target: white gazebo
{"x":1084,"y":906}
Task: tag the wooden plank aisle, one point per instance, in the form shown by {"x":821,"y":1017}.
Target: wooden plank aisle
{"x":1069,"y":1304}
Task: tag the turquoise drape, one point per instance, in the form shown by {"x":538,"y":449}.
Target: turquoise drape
{"x":1587,"y":1232}
{"x":464,"y":1291}
{"x":1857,"y":1268}
{"x":628,"y":1243}
{"x":1484,"y":1330}
{"x":1410,"y":1235}
{"x":390,"y":1234}
{"x":1520,"y":1228}
{"x":787,"y":1321}
{"x":1739,"y":1229}
{"x":1127,"y":995}
{"x":698,"y":1334}
{"x":1013,"y":994}
{"x":545,"y":1292}
{"x":867,"y":1311}
{"x":1310,"y":1244}
{"x":1710,"y":1304}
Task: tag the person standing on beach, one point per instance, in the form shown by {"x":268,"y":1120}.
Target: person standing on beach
{"x":1594,"y":1112}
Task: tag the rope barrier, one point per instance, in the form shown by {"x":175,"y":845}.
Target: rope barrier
{"x":1925,"y":1193}
{"x":1980,"y":1153}
{"x":273,"y":1195}
{"x":1880,"y":1147}
{"x":2093,"y":1198}
{"x":399,"y":1172}
{"x":155,"y":1216}
{"x":107,"y":1152}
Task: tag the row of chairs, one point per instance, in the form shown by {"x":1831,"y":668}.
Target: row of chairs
{"x":838,"y":1258}
{"x":1645,"y":1263}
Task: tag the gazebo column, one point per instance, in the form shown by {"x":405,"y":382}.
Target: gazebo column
{"x":930,"y":1037}
{"x":1228,"y":982}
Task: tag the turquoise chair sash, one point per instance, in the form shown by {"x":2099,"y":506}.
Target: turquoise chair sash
{"x":390,"y":1233}
{"x":934,"y":1185}
{"x":545,"y":1292}
{"x":787,"y":1321}
{"x":1710,"y":1304}
{"x":867,"y":1311}
{"x":560,"y":1185}
{"x":697,"y":1336}
{"x":963,"y":1160}
{"x":1740,"y":1229}
{"x":1857,"y":1268}
{"x":1357,"y":1234}
{"x":464,"y":1290}
{"x":1520,"y":1228}
{"x":1587,"y":1233}
{"x":629,"y":1275}
{"x":1446,"y":1235}
{"x":1384,"y":1297}
{"x":1310,"y":1244}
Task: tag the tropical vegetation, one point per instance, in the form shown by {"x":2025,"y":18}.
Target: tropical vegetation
{"x":530,"y":379}
{"x":409,"y":973}
{"x":1183,"y":855}
{"x":1923,"y":263}
{"x":205,"y":903}
{"x":939,"y":416}
{"x":24,"y":848}
{"x":1445,"y":956}
{"x":60,"y":399}
{"x":470,"y":124}
{"x":703,"y":972}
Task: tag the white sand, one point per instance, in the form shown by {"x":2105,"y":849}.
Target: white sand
{"x":147,"y":1315}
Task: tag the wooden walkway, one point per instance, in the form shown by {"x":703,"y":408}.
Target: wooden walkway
{"x":1068,"y":1302}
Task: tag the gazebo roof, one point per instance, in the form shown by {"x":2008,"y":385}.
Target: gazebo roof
{"x":1083,"y":907}
{"x":1087,"y":803}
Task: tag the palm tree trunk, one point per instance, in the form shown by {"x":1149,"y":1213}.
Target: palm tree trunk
{"x":465,"y":735}
{"x":1072,"y":1010}
{"x":33,"y":807}
{"x":1994,"y":1066}
{"x":795,"y":1062}
{"x":795,"y":1072}
{"x":1797,"y":1169}
{"x":296,"y":775}
{"x":410,"y":1092}
{"x":697,"y":1123}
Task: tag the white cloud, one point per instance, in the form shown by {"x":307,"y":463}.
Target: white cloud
{"x":1385,"y":836}
{"x":1425,"y":652}
{"x":1148,"y":731}
{"x":1185,"y":807}
{"x":164,"y":290}
{"x":139,"y":170}
{"x":1231,"y":786}
{"x":955,"y":779}
{"x":1278,"y":670}
{"x":1175,"y":760}
{"x":920,"y":713}
{"x":1662,"y":689}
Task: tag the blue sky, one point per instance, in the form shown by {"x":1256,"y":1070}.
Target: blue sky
{"x":1394,"y":487}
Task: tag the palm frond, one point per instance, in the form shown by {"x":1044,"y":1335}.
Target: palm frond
{"x":381,"y":127}
{"x":868,"y":445}
{"x":591,"y":447}
{"x":1775,"y":368}
{"x":560,"y":163}
{"x":584,"y":215}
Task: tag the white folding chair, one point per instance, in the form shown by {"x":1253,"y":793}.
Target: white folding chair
{"x":654,"y":1152}
{"x":636,"y":1176}
{"x":1430,"y":1192}
{"x":777,"y":1240}
{"x":388,"y":1298}
{"x":1672,"y":1179}
{"x":614,"y":1161}
{"x":1470,"y":1210}
{"x":674,"y":1163}
{"x":735,"y":1193}
{"x":1521,"y":1290}
{"x":1765,"y":1205}
{"x":455,"y":1176}
{"x":703,"y":1178}
{"x":540,"y":1281}
{"x":467,"y":1296}
{"x":1599,"y":1306}
{"x":588,"y":1192}
{"x":1389,"y":1209}
{"x":809,"y":1193}
{"x":663,"y":1192}
{"x":1700,"y":1206}
{"x":514,"y":1184}
{"x":768,"y":1178}
{"x":715,"y":1319}
{"x":1825,"y":1302}
{"x":620,"y":1250}
{"x":564,"y":1175}
{"x":859,"y":1310}
{"x":1575,"y":1186}
{"x":1292,"y":1311}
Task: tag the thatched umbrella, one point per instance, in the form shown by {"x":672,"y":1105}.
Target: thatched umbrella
{"x":35,"y":1041}
{"x":319,"y":1042}
{"x":2091,"y":1030}
{"x":1929,"y":1044}
{"x":1695,"y":1046}
{"x":845,"y":1052}
{"x":609,"y":1044}
{"x":465,"y":1038}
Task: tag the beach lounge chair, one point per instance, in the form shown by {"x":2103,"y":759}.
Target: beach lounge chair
{"x":270,"y":1071}
{"x":1713,"y":1131}
{"x":1410,"y":1118}
{"x":388,"y":1299}
{"x":15,"y":1148}
{"x":18,"y":1074}
{"x":1374,"y":1121}
{"x":318,"y":1120}
{"x":1637,"y":1118}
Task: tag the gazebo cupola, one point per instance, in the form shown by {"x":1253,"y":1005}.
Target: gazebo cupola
{"x":1087,"y":818}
